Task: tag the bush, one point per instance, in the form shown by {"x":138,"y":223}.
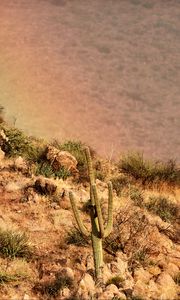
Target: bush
{"x":18,"y":144}
{"x":13,"y":244}
{"x":116,"y":280}
{"x":149,"y":172}
{"x":163,"y":207}
{"x":53,"y":288}
{"x":75,"y":237}
{"x":137,"y":196}
{"x":45,"y":169}
{"x":119,"y":183}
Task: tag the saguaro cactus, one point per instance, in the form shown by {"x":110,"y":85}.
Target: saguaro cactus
{"x":98,"y":230}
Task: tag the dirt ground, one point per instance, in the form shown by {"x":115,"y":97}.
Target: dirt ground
{"x":106,"y":72}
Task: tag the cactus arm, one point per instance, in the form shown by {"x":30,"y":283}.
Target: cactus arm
{"x":98,"y":211}
{"x":89,"y":164}
{"x":109,"y":225}
{"x":82,"y":228}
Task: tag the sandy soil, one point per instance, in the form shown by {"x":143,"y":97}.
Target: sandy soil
{"x":106,"y":72}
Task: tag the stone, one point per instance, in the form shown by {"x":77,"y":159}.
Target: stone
{"x":61,"y":159}
{"x":167,"y":287}
{"x":68,"y":272}
{"x":142,"y":275}
{"x":2,"y":154}
{"x":20,"y":164}
{"x":172,"y":269}
{"x":45,"y":186}
{"x":26,"y":297}
{"x":13,"y":187}
{"x":154,"y":270}
{"x":86,"y":286}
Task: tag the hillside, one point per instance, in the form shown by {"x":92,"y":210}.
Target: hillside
{"x":42,"y":253}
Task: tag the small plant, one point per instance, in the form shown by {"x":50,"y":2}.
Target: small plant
{"x":53,"y":289}
{"x":163,"y":207}
{"x":77,"y":238}
{"x":6,"y":277}
{"x":149,"y":172}
{"x":119,"y":183}
{"x":137,"y":196}
{"x":116,"y":280}
{"x":13,"y":244}
{"x":98,"y":232}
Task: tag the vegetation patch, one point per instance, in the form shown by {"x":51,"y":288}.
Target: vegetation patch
{"x":53,"y":288}
{"x":6,"y":277}
{"x":163,"y":207}
{"x":119,"y":183}
{"x":75,"y":237}
{"x":13,"y":244}
{"x":116,"y":280}
{"x":148,"y":172}
{"x":45,"y":169}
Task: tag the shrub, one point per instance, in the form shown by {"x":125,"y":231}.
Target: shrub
{"x":116,"y":280}
{"x":163,"y":207}
{"x":137,"y":196}
{"x":149,"y":172}
{"x":18,"y":144}
{"x":119,"y":183}
{"x":45,"y":169}
{"x":75,"y":237}
{"x":13,"y":244}
{"x":53,"y":288}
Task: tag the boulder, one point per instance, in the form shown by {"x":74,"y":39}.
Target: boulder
{"x":45,"y":186}
{"x":86,"y":287}
{"x":20,"y":164}
{"x":61,"y":159}
{"x":167,"y":287}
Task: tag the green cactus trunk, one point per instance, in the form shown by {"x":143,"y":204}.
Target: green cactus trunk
{"x":98,"y":255}
{"x":98,"y":231}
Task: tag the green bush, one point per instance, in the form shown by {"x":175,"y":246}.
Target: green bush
{"x":18,"y":144}
{"x":149,"y":172}
{"x":137,"y":196}
{"x":163,"y":207}
{"x":13,"y":244}
{"x":119,"y":183}
{"x":45,"y":169}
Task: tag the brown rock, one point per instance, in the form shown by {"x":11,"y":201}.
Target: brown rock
{"x":86,"y":286}
{"x":61,"y":159}
{"x":167,"y":287}
{"x":45,"y":186}
{"x":2,"y":154}
{"x":142,"y":275}
{"x":20,"y":164}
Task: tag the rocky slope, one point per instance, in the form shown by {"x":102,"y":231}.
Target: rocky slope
{"x":43,"y":256}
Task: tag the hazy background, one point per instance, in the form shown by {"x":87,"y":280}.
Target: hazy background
{"x":106,"y":72}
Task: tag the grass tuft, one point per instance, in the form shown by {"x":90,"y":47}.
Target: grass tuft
{"x":13,"y":244}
